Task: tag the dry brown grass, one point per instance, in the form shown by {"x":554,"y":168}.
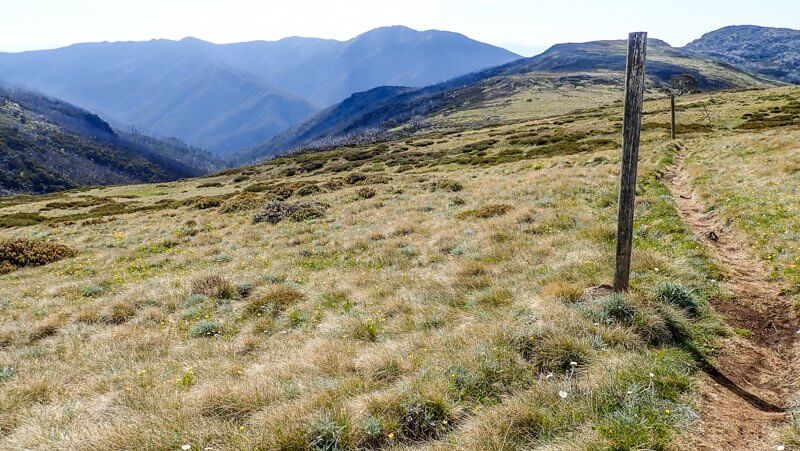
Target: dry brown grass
{"x":371,"y":327}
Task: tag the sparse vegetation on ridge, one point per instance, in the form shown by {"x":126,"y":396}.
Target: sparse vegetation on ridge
{"x":396,"y":322}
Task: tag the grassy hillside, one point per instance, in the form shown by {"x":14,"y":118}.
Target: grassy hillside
{"x":49,"y":145}
{"x":427,"y":293}
{"x":565,"y":77}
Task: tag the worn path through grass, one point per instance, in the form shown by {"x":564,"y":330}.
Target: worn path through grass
{"x":743,"y":395}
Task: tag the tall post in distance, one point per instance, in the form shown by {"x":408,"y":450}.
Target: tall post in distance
{"x":672,"y":110}
{"x":634,"y":98}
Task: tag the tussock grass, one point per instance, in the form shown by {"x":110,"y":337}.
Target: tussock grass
{"x":391,"y":323}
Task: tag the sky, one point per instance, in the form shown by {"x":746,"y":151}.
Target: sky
{"x":525,"y":26}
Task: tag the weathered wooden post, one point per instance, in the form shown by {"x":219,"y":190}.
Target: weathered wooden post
{"x":634,"y":97}
{"x":672,"y":110}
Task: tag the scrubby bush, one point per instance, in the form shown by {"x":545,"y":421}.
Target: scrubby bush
{"x":447,"y":185}
{"x":213,"y":286}
{"x":20,"y":252}
{"x":355,"y":177}
{"x":308,"y":212}
{"x":21,"y":219}
{"x":307,"y":190}
{"x":242,"y":202}
{"x":204,"y":203}
{"x":333,"y":185}
{"x":274,"y":212}
{"x":366,"y":192}
{"x":378,"y":179}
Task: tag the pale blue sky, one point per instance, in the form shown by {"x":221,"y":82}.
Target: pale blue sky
{"x":38,"y":24}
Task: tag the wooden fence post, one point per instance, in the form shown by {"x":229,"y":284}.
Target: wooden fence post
{"x":634,"y":97}
{"x":672,"y":110}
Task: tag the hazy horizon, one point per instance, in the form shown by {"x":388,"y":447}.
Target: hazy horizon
{"x":525,"y":27}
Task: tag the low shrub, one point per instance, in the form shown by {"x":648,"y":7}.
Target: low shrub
{"x":275,"y":212}
{"x":447,"y":185}
{"x":21,"y":219}
{"x":242,"y":202}
{"x":355,"y":177}
{"x":21,"y":252}
{"x":307,"y":190}
{"x":366,"y":192}
{"x":308,"y":212}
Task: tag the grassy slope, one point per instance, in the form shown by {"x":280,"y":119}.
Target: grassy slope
{"x":419,"y":324}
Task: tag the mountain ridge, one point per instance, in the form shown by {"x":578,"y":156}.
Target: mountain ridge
{"x":49,"y":145}
{"x":773,"y":52}
{"x":230,"y":96}
{"x":594,"y":59}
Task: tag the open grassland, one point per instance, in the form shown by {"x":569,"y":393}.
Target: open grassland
{"x":428,"y":293}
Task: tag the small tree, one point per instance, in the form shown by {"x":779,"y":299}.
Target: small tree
{"x":678,"y":85}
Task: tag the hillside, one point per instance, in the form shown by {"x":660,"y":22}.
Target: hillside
{"x":772,"y":52}
{"x":575,"y":72}
{"x":440,"y":291}
{"x":226,"y":97}
{"x":49,"y":145}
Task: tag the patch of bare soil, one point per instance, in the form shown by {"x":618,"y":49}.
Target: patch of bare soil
{"x":745,"y":391}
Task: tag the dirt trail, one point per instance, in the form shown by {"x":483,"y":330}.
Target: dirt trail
{"x":744,"y":394}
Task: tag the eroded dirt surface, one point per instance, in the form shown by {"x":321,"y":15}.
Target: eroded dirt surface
{"x":745,"y":390}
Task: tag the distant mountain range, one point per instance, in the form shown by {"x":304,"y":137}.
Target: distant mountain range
{"x":600,"y":62}
{"x":49,"y":145}
{"x":226,"y":97}
{"x":774,"y":52}
{"x":255,"y":100}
